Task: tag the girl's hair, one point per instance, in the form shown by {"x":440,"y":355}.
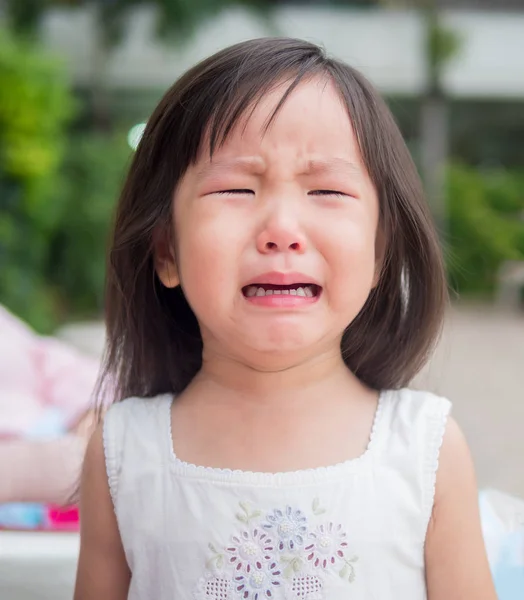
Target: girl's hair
{"x":153,"y":340}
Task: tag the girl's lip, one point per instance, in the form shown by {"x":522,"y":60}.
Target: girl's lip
{"x":282,"y":300}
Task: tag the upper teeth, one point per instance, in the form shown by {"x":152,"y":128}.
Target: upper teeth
{"x":254,"y":290}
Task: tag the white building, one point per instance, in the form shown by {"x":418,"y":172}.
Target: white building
{"x":386,"y":45}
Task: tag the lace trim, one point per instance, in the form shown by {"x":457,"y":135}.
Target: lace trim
{"x":110,"y":454}
{"x":436,"y":426}
{"x":286,"y":478}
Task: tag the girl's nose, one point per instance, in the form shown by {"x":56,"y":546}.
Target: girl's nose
{"x":281,"y":234}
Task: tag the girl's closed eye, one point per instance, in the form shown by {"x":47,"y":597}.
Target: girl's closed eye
{"x":333,"y":194}
{"x":234,"y":192}
{"x":336,"y":193}
{"x":246,"y":191}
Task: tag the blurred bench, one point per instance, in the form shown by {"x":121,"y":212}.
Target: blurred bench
{"x":37,"y":565}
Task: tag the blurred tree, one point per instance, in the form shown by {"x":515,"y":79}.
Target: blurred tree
{"x":35,"y":108}
{"x":486,"y":224}
{"x":441,"y":45}
{"x":176,"y":21}
{"x":24,"y":15}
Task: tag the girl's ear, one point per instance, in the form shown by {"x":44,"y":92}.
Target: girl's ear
{"x":165,"y":260}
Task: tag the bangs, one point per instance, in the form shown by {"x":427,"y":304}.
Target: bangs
{"x":237,"y":109}
{"x":205,"y":106}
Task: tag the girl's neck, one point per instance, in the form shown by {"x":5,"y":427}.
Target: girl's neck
{"x":237,"y":417}
{"x":323,"y":374}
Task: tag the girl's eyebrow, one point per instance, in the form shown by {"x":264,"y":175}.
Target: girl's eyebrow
{"x":257,"y":165}
{"x":247,"y":164}
{"x":314,"y":166}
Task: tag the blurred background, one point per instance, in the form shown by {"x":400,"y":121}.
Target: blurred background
{"x":77,"y":75}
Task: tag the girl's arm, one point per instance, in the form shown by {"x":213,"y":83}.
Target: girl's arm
{"x":102,"y":567}
{"x":457,"y":567}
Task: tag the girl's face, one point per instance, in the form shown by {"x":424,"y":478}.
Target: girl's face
{"x":276,"y":236}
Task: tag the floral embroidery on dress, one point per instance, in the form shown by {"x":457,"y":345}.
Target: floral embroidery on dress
{"x":290,"y":526}
{"x":328,"y":544}
{"x":278,"y":555}
{"x":329,"y":549}
{"x":258,"y":581}
{"x":251,"y":549}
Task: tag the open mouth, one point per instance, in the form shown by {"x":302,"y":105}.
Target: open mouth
{"x":304,"y":290}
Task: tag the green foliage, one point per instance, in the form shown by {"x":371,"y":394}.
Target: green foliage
{"x":35,"y":105}
{"x":443,"y":44}
{"x":57,"y":193}
{"x":92,"y":176}
{"x":486,"y":224}
{"x":24,"y":15}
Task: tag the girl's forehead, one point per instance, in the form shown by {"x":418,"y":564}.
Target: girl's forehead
{"x":311,"y":106}
{"x":313,"y":118}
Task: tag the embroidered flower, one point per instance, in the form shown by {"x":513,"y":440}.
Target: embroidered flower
{"x":327,"y":546}
{"x":290,"y":527}
{"x":252,"y":548}
{"x":258,"y":582}
{"x":277,"y":556}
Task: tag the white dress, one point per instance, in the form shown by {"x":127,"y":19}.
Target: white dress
{"x":352,"y":531}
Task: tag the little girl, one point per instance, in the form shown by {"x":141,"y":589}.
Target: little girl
{"x":274,"y":284}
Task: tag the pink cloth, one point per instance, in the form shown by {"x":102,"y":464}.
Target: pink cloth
{"x":39,"y":374}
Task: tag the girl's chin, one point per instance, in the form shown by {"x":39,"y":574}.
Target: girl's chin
{"x":282,"y":348}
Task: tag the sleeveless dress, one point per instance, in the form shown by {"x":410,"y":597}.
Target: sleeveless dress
{"x":352,"y":531}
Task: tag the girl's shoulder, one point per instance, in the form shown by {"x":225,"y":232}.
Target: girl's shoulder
{"x":136,"y":407}
{"x":135,"y":430}
{"x":413,"y":418}
{"x":413,"y":426}
{"x":145,"y":415}
{"x":411,"y":405}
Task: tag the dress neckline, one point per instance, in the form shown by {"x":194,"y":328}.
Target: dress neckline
{"x":274,"y":479}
